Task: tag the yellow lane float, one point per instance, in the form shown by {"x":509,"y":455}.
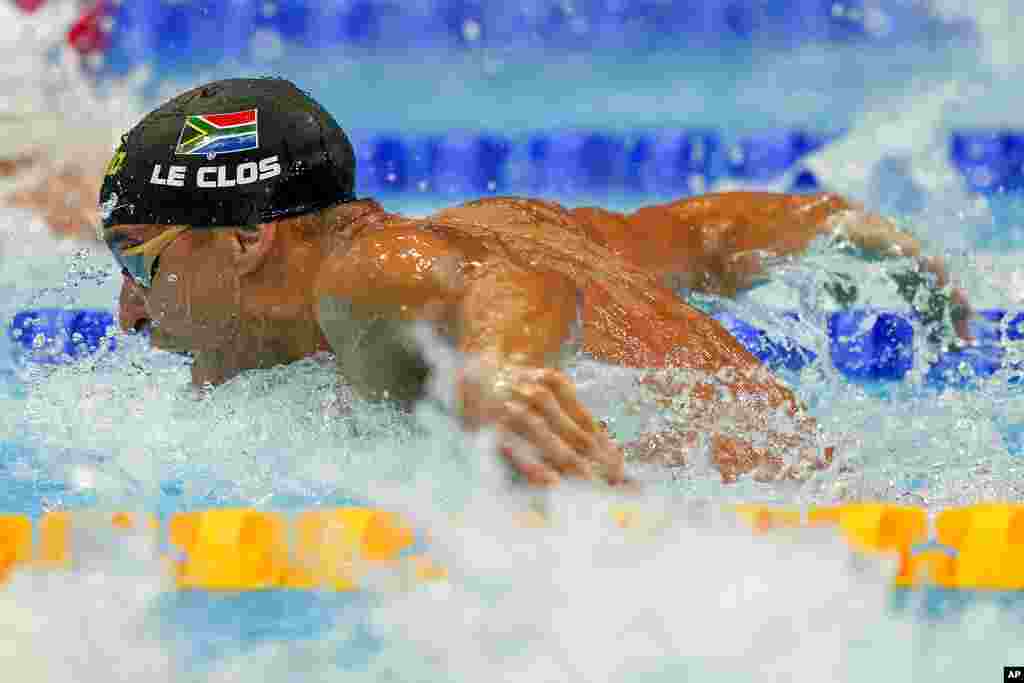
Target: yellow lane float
{"x":975,"y":547}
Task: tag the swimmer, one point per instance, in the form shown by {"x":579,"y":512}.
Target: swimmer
{"x":232,"y":212}
{"x":62,"y":192}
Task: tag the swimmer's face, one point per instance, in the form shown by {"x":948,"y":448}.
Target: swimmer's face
{"x":192,"y":301}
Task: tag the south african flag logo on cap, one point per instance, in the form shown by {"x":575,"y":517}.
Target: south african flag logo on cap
{"x":213,"y":134}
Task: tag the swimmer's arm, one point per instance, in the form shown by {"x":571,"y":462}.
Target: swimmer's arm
{"x":511,"y":322}
{"x":717,"y":243}
{"x":745,"y":233}
{"x":724,"y":243}
{"x":515,"y":324}
{"x":369,"y":297}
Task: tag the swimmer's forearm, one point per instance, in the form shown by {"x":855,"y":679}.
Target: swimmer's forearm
{"x":522,"y":317}
{"x":872,"y":233}
{"x":723,"y":243}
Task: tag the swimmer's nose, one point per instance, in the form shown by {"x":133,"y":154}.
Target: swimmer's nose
{"x":133,"y":315}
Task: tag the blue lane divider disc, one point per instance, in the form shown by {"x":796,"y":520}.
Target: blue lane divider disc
{"x":674,"y":163}
{"x":871,"y":345}
{"x":991,"y":329}
{"x":55,"y":335}
{"x":805,"y":182}
{"x":383,"y":164}
{"x":775,"y":352}
{"x":990,"y":161}
{"x":468,"y":164}
{"x":959,"y":369}
{"x":769,"y":154}
{"x":574,"y":162}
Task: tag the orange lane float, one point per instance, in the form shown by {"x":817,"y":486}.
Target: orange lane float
{"x":341,"y":549}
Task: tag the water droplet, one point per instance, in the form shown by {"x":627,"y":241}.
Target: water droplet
{"x":471,"y":30}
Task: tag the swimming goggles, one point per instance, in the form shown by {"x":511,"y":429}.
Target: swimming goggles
{"x":140,"y":261}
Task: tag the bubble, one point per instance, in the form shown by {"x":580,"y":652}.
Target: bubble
{"x":471,"y":30}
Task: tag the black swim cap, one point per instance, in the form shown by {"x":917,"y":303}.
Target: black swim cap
{"x":230,"y":153}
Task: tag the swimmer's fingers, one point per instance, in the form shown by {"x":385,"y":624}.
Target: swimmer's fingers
{"x":538,"y":406}
{"x":961,"y":312}
{"x":560,"y":414}
{"x":585,"y":434}
{"x":614,"y":460}
{"x":535,"y":429}
{"x":959,"y":308}
{"x":551,"y":424}
{"x":533,"y":470}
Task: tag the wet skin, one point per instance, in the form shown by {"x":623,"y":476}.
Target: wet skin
{"x":515,"y":284}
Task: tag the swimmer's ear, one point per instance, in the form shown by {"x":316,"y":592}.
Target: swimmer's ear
{"x":252,"y":245}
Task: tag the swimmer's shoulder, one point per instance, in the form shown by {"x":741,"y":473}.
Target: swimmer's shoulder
{"x":408,"y":258}
{"x":508,"y":213}
{"x":395,"y":264}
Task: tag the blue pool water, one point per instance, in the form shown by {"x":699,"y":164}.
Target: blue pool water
{"x":699,"y":600}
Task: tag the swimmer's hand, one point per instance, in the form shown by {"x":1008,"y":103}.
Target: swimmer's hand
{"x":880,"y":236}
{"x":544,"y":431}
{"x":961,"y":313}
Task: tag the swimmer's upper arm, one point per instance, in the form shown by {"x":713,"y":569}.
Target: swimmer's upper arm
{"x":368,"y":297}
{"x":400,"y":270}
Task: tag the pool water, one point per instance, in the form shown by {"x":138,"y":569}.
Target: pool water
{"x":702,"y":598}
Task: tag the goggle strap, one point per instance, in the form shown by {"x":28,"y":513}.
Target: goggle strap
{"x":157,"y":243}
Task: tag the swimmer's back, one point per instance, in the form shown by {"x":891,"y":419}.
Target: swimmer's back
{"x":629,"y":318}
